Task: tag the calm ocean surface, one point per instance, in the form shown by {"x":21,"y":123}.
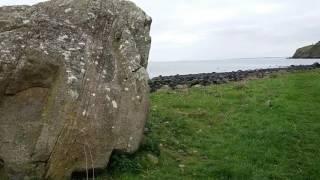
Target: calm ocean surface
{"x":226,"y":65}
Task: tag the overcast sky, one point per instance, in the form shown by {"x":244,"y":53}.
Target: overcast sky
{"x":215,"y":29}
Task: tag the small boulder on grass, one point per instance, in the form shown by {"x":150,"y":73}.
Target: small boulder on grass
{"x":197,"y":86}
{"x":181,"y":87}
{"x":164,"y":88}
{"x":269,"y":103}
{"x":152,"y":159}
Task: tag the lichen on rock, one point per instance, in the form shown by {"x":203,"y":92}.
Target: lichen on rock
{"x":70,"y":75}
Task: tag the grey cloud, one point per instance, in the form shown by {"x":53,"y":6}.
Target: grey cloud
{"x":212,"y":29}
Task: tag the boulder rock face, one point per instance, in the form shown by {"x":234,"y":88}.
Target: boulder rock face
{"x":312,"y":51}
{"x":73,"y":86}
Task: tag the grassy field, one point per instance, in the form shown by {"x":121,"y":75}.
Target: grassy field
{"x":257,"y":129}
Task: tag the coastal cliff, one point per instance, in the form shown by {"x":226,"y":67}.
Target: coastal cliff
{"x":312,"y":51}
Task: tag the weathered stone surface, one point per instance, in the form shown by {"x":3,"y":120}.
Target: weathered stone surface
{"x":73,"y":85}
{"x":312,"y":51}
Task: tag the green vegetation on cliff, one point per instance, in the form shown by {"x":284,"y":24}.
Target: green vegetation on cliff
{"x":312,"y":51}
{"x":258,"y":129}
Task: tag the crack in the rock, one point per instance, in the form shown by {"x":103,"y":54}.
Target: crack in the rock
{"x":12,"y":28}
{"x":23,"y":90}
{"x":137,"y":69}
{"x":1,"y":163}
{"x":53,"y":149}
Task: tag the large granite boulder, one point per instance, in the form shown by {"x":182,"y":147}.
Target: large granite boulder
{"x":73,"y":86}
{"x":312,"y":51}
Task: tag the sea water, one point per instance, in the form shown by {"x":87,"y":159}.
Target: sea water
{"x":223,"y":65}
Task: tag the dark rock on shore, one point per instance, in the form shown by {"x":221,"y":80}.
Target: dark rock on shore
{"x":205,"y":79}
{"x":312,"y":51}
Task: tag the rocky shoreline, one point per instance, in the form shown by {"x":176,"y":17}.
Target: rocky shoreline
{"x":205,"y":79}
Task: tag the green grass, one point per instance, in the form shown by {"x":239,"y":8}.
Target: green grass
{"x":258,"y":129}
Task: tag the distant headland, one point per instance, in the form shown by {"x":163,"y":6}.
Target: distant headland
{"x":311,"y":51}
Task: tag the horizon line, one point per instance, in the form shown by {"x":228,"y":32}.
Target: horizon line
{"x":186,"y":60}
